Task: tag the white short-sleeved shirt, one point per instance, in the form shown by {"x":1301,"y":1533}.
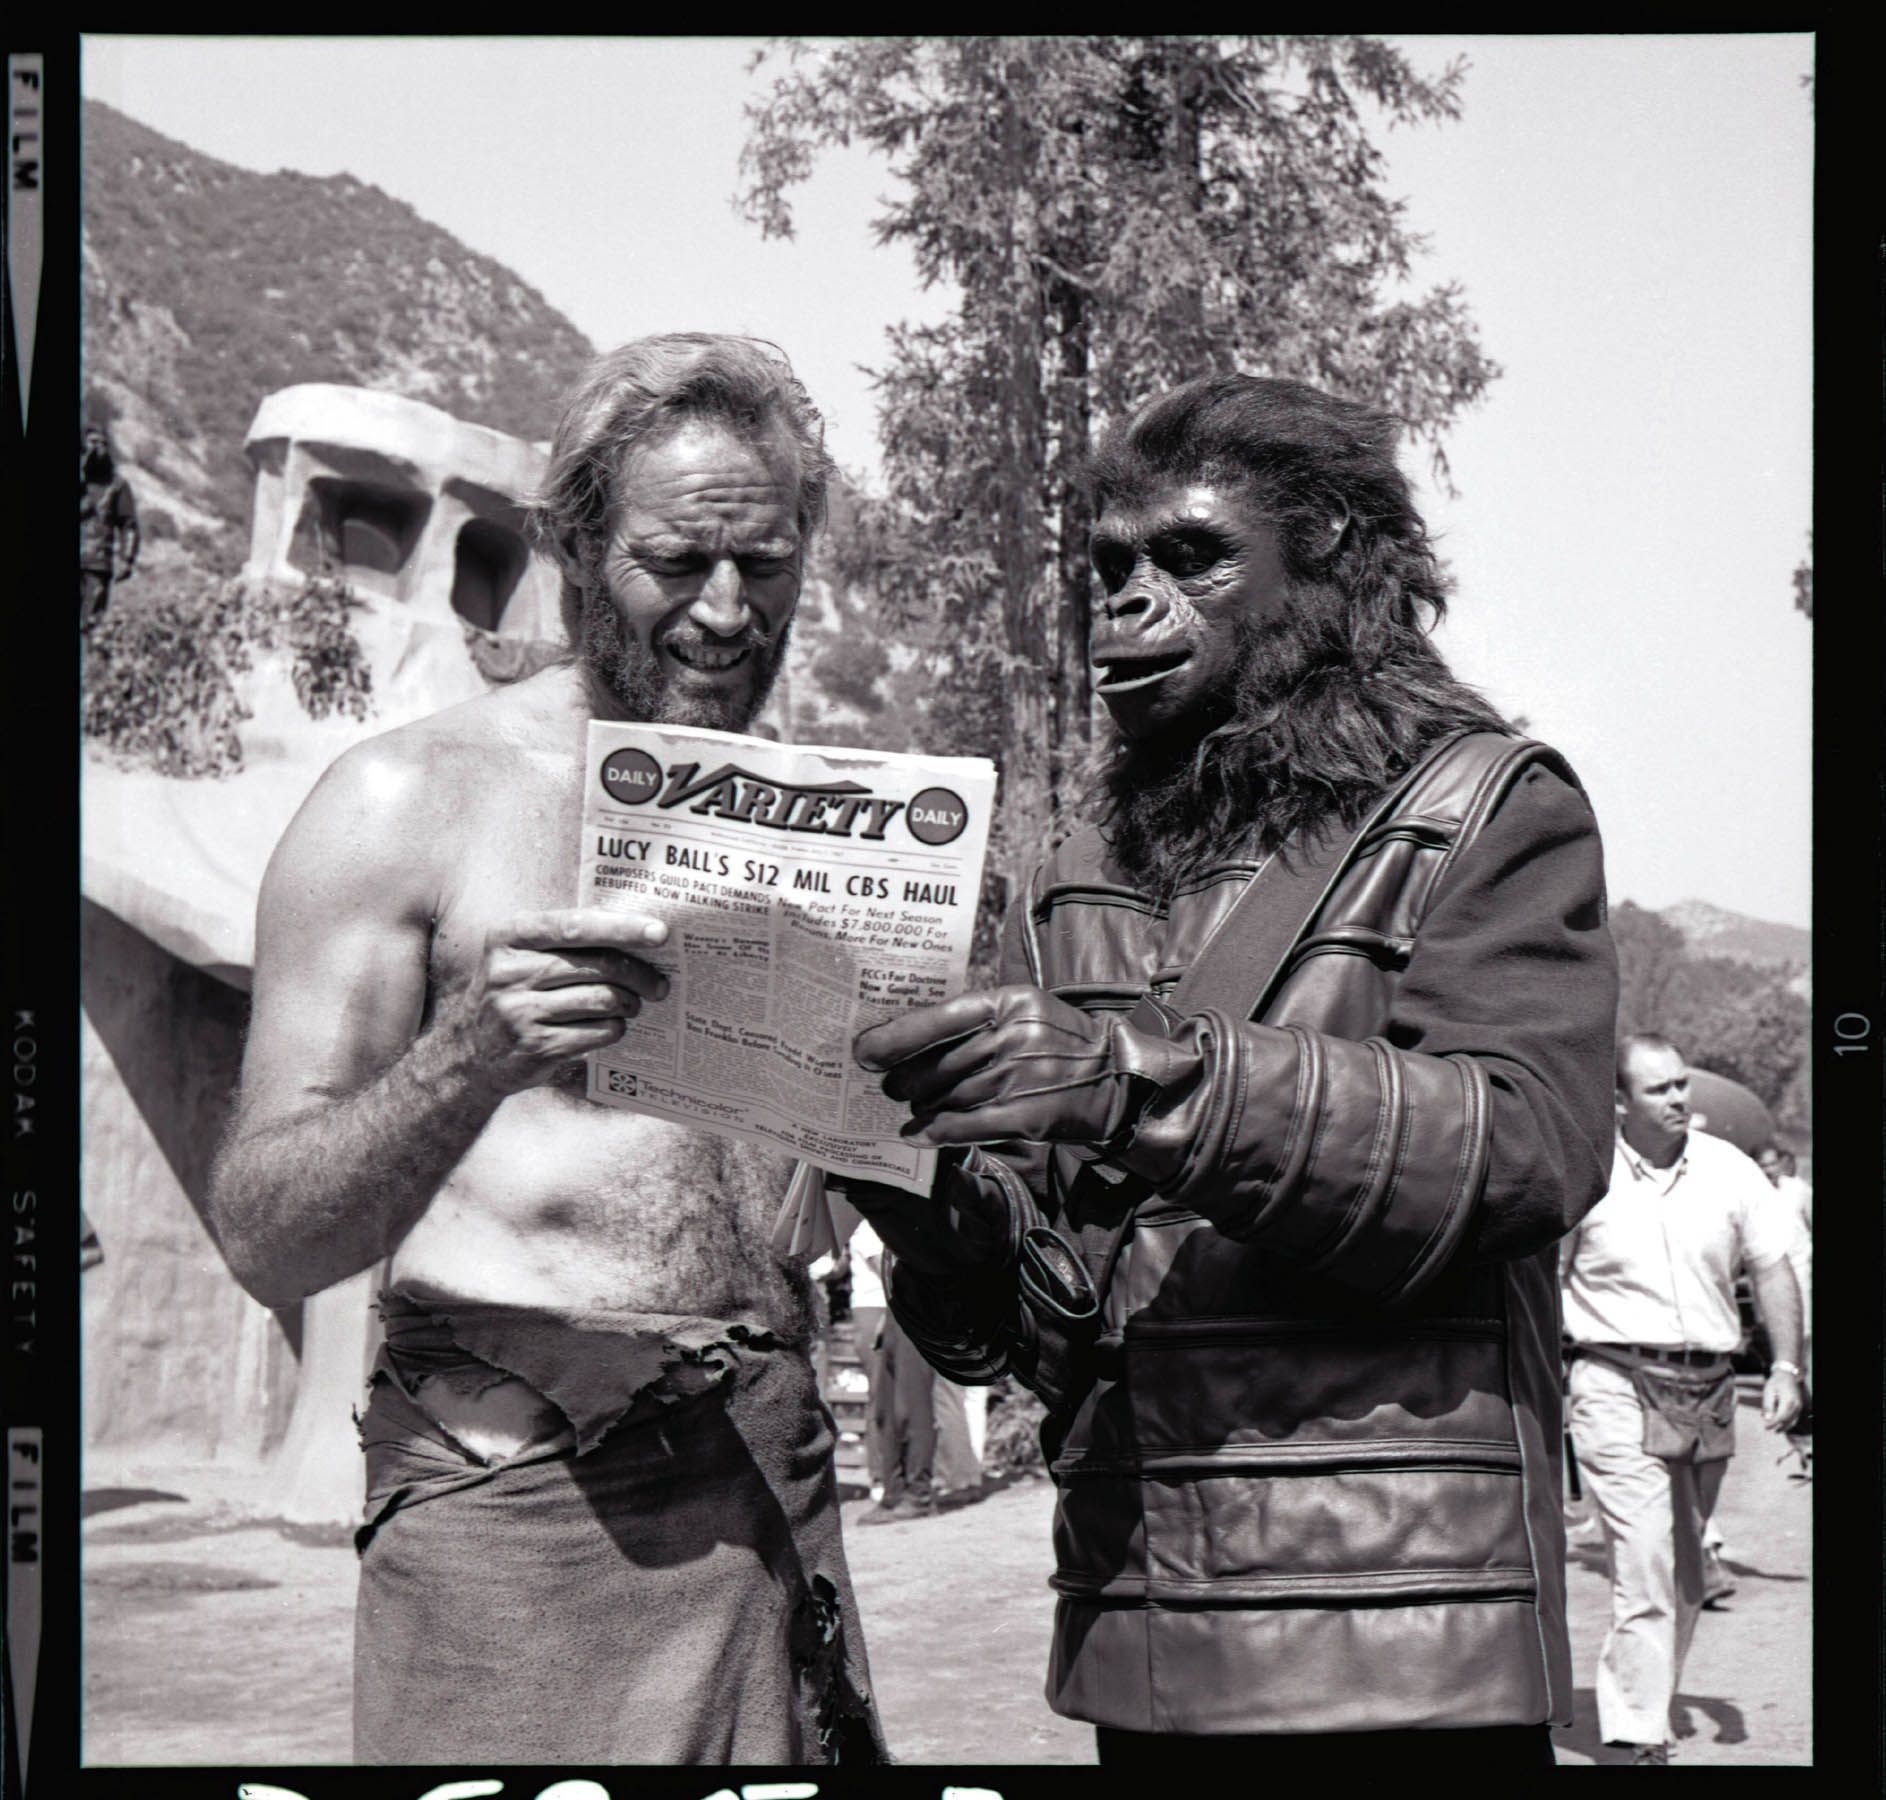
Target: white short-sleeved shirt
{"x":866,"y":1288}
{"x":1654,"y":1262}
{"x":1798,"y":1197}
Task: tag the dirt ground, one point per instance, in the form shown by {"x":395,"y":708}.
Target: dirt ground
{"x":214,"y":1638}
{"x":1747,"y":1690}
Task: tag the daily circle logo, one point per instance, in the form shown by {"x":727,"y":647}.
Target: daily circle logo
{"x":833,"y":808}
{"x":937,"y":816}
{"x":631,"y":776}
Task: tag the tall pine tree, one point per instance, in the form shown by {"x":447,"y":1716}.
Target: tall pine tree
{"x":1119,"y":215}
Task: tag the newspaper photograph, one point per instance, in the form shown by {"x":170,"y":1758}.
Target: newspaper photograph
{"x":809,"y":892}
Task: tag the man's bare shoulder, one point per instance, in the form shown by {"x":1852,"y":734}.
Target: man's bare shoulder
{"x":400,"y":794}
{"x":535,"y":715}
{"x":440,"y":754}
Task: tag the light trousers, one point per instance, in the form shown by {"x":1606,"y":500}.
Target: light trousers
{"x":1654,"y":1510}
{"x":958,"y":1456}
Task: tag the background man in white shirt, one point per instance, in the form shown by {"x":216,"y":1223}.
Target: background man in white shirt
{"x":901,"y":1439}
{"x":1795,"y":1194}
{"x":1649,"y":1279}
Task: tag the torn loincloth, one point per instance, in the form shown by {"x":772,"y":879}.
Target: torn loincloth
{"x":652,"y":1572}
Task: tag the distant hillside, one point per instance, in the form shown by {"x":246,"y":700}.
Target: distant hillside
{"x":1731,"y":992}
{"x":1715,"y":931}
{"x":207,"y":287}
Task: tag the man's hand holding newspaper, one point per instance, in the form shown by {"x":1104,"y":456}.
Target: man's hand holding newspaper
{"x":808,"y":893}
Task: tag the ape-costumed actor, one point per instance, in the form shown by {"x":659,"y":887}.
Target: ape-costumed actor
{"x":1309,"y":1473}
{"x":108,"y":526}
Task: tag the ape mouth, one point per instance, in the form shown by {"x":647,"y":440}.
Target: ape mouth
{"x":1123,"y":674}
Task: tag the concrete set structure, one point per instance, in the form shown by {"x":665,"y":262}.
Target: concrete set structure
{"x":420,"y":514}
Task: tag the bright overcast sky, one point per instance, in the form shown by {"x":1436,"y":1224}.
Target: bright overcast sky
{"x":1629,"y":216}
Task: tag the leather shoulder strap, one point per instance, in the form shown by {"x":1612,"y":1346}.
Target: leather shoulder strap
{"x":1255,"y":939}
{"x":1461,"y":779}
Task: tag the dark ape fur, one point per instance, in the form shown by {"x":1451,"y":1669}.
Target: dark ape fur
{"x":1325,"y":707}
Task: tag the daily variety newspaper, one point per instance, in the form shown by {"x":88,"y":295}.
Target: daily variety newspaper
{"x":809,"y":892}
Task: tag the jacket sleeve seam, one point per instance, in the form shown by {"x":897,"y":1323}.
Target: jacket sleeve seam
{"x":1452,"y":1222}
{"x":1386,"y":1150}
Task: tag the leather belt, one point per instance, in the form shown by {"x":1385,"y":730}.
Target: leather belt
{"x":1694,"y":1359}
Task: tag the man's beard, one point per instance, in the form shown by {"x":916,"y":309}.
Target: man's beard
{"x":96,"y":467}
{"x":649,"y":690}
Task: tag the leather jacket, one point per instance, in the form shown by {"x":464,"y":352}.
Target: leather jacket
{"x":1309,"y":1474}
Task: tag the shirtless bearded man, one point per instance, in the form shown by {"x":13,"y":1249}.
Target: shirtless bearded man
{"x":602,"y":1522}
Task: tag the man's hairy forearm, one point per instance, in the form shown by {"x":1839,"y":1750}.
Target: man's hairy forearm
{"x":301,"y":1202}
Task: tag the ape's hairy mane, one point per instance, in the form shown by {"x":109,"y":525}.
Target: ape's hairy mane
{"x":1310,"y":736}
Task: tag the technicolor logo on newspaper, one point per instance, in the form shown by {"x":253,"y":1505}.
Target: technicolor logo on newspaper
{"x":937,"y":815}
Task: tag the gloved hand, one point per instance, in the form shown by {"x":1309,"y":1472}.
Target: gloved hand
{"x":1015,"y":1062}
{"x":970,"y":1218}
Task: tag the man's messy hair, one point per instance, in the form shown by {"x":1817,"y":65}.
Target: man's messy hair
{"x":1354,"y":691}
{"x":631,"y":395}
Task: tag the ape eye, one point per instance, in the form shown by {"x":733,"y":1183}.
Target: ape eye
{"x":1113,"y":567}
{"x":1185,"y":556}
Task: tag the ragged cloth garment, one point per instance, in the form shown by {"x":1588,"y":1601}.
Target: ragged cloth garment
{"x":654,"y":1574}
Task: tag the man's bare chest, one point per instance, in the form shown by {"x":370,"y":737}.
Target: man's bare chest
{"x":513,"y":855}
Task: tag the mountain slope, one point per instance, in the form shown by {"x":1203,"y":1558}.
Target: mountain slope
{"x":1715,"y":931}
{"x":207,"y":287}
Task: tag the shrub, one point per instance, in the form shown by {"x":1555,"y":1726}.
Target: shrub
{"x":330,"y":675}
{"x":159,"y":687}
{"x":1011,"y":1443}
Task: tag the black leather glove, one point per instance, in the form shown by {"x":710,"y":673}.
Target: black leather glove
{"x":972,"y":1217}
{"x":1015,"y":1062}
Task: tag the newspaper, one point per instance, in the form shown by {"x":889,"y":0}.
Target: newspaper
{"x":809,"y":892}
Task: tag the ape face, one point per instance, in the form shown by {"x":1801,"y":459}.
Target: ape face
{"x":1191,"y":569}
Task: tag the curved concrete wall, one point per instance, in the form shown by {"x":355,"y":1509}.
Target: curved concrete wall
{"x":413,"y":500}
{"x":176,"y":1355}
{"x":420,"y":514}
